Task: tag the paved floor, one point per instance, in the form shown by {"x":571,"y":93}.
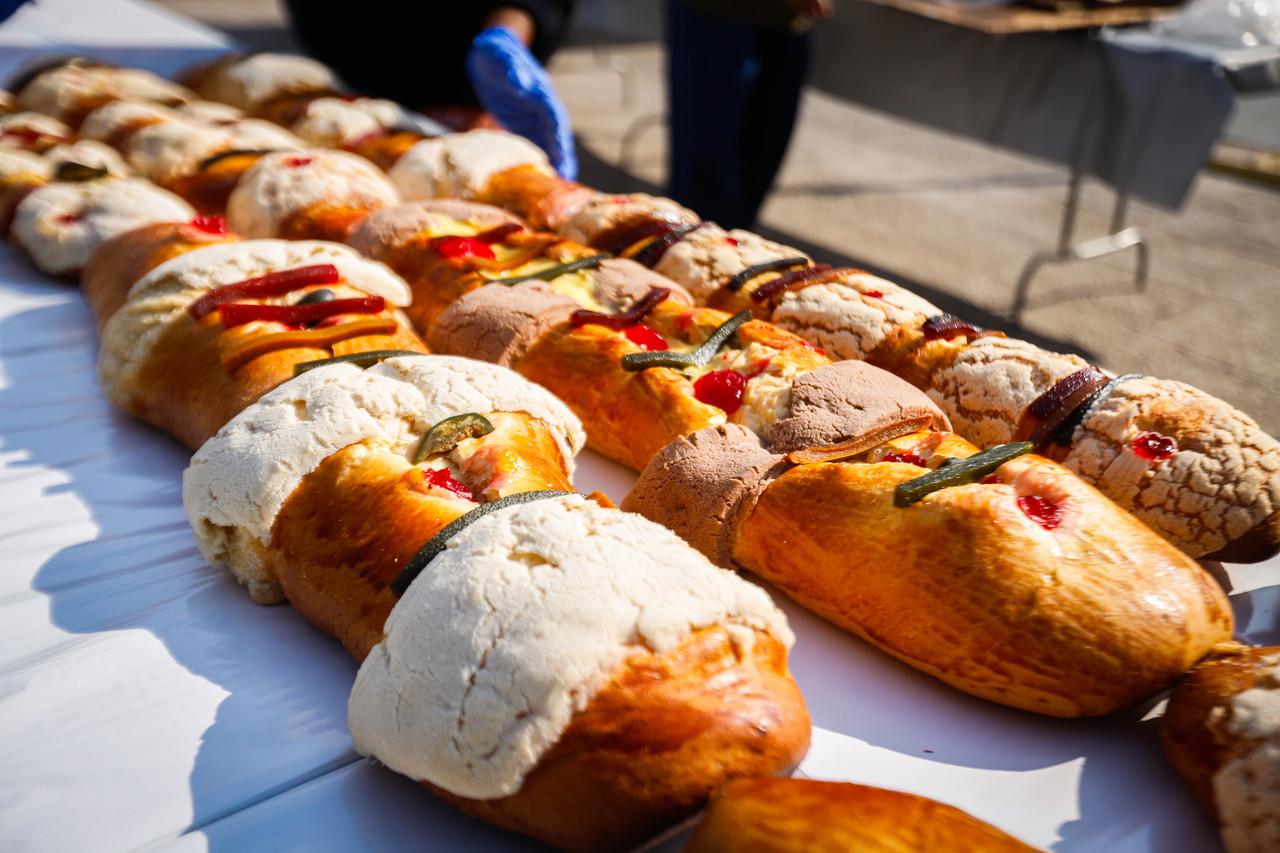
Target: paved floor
{"x":956,"y":220}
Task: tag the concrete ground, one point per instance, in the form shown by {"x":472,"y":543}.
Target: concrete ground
{"x":956,"y":221}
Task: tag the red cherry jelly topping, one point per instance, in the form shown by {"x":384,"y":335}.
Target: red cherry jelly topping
{"x":732,"y":241}
{"x":299,"y":161}
{"x":69,"y":218}
{"x":873,"y":294}
{"x":210,"y":224}
{"x":24,"y":135}
{"x":462,"y":247}
{"x":442,"y":479}
{"x":1153,"y":446}
{"x":644,"y":337}
{"x":1042,"y":511}
{"x":990,"y":479}
{"x":908,"y":457}
{"x":722,"y":389}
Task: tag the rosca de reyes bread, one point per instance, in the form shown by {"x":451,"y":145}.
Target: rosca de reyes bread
{"x":207,"y":332}
{"x":576,"y":322}
{"x":72,"y":87}
{"x":312,"y":194}
{"x":173,"y":153}
{"x":713,"y":368}
{"x":58,"y":225}
{"x":1002,"y":574}
{"x":339,"y":425}
{"x":262,"y":84}
{"x":492,"y":167}
{"x":21,"y":171}
{"x":809,"y":816}
{"x":563,"y":670}
{"x":33,"y":132}
{"x":1197,"y":470}
{"x":1222,"y":733}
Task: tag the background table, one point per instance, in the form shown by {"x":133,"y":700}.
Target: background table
{"x":145,"y":702}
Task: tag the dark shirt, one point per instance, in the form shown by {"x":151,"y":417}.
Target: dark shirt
{"x":412,"y":52}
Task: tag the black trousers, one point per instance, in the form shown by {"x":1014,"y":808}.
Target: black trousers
{"x":733,"y":92}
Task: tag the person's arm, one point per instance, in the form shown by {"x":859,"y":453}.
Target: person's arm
{"x":511,"y":83}
{"x":540,"y":24}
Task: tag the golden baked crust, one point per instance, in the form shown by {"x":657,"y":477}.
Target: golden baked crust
{"x":323,"y":222}
{"x":630,"y":416}
{"x":1194,"y":740}
{"x":806,"y":816}
{"x":656,"y":741}
{"x":384,"y":149}
{"x":118,"y":263}
{"x":208,"y":189}
{"x":650,"y":746}
{"x":353,"y":523}
{"x":964,"y":586}
{"x":200,"y":77}
{"x":543,"y":200}
{"x":437,"y":282}
{"x":183,"y":389}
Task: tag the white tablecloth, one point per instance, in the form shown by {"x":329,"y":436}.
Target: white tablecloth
{"x":145,"y":702}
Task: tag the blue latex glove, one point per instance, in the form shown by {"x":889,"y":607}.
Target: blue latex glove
{"x":511,"y":83}
{"x":9,"y":7}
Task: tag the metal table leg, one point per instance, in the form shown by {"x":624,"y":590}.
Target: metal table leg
{"x":1118,"y":239}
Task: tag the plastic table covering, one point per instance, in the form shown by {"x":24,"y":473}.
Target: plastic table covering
{"x":146,"y":703}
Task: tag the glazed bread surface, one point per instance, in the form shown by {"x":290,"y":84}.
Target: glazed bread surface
{"x":802,"y":815}
{"x":1222,"y":733}
{"x":1083,"y":619}
{"x":599,"y":716}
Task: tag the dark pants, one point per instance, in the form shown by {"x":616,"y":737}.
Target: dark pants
{"x":732,"y":92}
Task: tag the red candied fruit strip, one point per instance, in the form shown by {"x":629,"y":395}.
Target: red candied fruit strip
{"x":271,"y":284}
{"x":499,"y":233}
{"x":1046,"y":513}
{"x":1153,"y":446}
{"x":782,"y":282}
{"x":907,"y":457}
{"x":722,"y":389}
{"x":298,"y":161}
{"x":947,"y":326}
{"x":645,"y":337}
{"x":873,"y":294}
{"x":732,"y":241}
{"x":630,"y":317}
{"x":461,"y":247}
{"x":442,"y":479}
{"x":25,"y":135}
{"x":210,"y":224}
{"x":238,"y":313}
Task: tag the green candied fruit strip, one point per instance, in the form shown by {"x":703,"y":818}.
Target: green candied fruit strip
{"x":436,"y":544}
{"x":445,"y":435}
{"x":958,"y":472}
{"x":637,"y":361}
{"x":71,"y":171}
{"x":552,"y":272}
{"x":359,"y":359}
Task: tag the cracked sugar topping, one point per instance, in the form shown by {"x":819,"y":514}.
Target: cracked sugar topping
{"x":518,"y":624}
